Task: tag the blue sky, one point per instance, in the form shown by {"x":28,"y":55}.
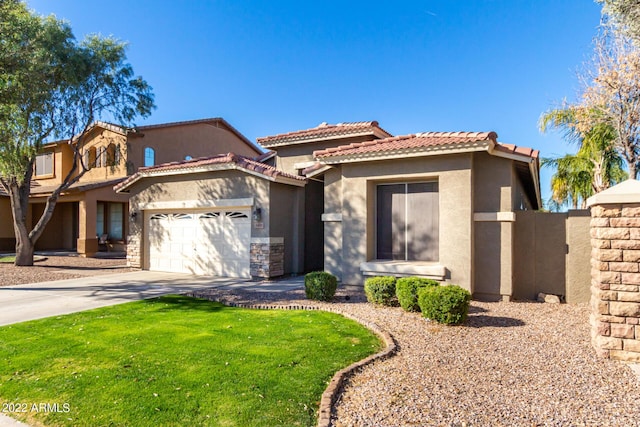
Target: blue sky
{"x":276,"y":66}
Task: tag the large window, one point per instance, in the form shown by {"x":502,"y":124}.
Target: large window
{"x":407,"y":221}
{"x":44,"y":164}
{"x":110,"y":220}
{"x":149,"y":157}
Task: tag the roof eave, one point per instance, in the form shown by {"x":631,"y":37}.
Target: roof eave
{"x":124,"y":186}
{"x":295,"y":141}
{"x":408,"y":153}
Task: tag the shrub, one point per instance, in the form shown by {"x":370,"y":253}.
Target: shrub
{"x":381,"y":290}
{"x":407,"y":291}
{"x":320,"y":285}
{"x":444,"y":304}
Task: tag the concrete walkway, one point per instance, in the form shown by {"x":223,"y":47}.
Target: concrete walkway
{"x":38,"y":300}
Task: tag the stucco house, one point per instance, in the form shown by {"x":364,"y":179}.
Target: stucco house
{"x":349,"y":198}
{"x":90,"y":211}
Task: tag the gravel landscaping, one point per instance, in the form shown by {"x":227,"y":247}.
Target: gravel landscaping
{"x":511,"y":364}
{"x":59,"y":267}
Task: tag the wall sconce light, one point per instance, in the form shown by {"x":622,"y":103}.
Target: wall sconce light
{"x":133,"y":215}
{"x":257,"y":214}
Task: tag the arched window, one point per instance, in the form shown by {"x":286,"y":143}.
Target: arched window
{"x":149,"y":157}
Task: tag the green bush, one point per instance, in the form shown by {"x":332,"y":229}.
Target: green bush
{"x":444,"y":304}
{"x":320,"y":285}
{"x":381,"y":290}
{"x":407,"y":291}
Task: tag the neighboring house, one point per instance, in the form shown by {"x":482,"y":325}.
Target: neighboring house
{"x":348,"y":198}
{"x":90,"y":215}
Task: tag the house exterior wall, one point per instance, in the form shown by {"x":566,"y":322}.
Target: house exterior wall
{"x":62,"y":163}
{"x":174,"y":143}
{"x":332,"y":222}
{"x":493,"y":182}
{"x":287,"y":221}
{"x":358,"y":182}
{"x":7,"y":237}
{"x":99,"y":139}
{"x":287,"y":156}
{"x":58,"y":233}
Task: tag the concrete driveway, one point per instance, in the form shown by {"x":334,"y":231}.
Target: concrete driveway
{"x":38,"y":300}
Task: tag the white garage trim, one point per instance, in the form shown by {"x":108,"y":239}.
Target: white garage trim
{"x":197,"y":204}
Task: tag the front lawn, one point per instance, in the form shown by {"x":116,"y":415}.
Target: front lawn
{"x":176,"y":361}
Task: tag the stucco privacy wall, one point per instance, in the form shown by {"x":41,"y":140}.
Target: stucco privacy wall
{"x":357,"y":185}
{"x":551,"y":255}
{"x":206,"y":190}
{"x":615,"y":272}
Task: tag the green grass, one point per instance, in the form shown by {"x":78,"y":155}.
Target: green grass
{"x":176,"y":361}
{"x":7,"y":259}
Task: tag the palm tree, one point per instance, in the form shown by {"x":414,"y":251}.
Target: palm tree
{"x":594,"y":168}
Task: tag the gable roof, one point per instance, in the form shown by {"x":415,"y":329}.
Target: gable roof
{"x":325,"y":131}
{"x":229,"y":161}
{"x":415,"y":142}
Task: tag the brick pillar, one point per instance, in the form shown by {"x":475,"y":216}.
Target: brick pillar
{"x":133,"y":251}
{"x":267,"y":257}
{"x":615,"y":272}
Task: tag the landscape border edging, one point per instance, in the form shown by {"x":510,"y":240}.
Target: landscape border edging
{"x":330,"y":394}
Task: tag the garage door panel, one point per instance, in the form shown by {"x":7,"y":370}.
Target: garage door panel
{"x":205,"y":243}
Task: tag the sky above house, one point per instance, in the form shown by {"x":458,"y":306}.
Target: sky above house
{"x":275,"y":66}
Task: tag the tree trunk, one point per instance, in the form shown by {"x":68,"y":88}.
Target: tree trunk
{"x":24,"y":249}
{"x":19,"y":196}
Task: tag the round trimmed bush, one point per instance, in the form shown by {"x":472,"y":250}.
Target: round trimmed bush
{"x":444,"y":304}
{"x":320,"y":285}
{"x":381,"y":290}
{"x":407,"y":291}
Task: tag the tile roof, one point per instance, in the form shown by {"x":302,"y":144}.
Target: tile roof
{"x":42,"y":190}
{"x":404,"y":142}
{"x":525,"y":151}
{"x":325,"y":130}
{"x":188,"y":166}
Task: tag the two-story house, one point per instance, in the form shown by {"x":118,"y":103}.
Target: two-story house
{"x":90,"y":213}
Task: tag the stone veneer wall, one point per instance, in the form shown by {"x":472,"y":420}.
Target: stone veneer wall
{"x":267,"y":258}
{"x":615,"y":281}
{"x":133,"y":251}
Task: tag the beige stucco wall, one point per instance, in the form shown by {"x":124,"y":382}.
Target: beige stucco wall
{"x":289,"y":155}
{"x":174,"y":143}
{"x":578,"y":273}
{"x":551,"y":255}
{"x":493,"y":191}
{"x":204,"y":189}
{"x":333,"y":229}
{"x":62,"y":163}
{"x":286,"y":220}
{"x":100,"y":138}
{"x":357,"y":184}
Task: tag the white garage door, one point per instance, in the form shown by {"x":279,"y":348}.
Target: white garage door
{"x":205,"y":243}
